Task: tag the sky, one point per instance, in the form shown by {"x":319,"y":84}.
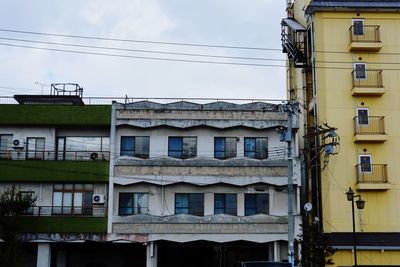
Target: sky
{"x":239,"y":23}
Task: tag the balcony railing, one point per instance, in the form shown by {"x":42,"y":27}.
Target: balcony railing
{"x":16,"y":154}
{"x":372,"y":173}
{"x":369,"y":125}
{"x":66,"y":211}
{"x":371,"y":79}
{"x":365,"y":33}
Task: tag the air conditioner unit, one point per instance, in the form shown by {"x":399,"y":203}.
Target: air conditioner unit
{"x":18,"y":143}
{"x":99,"y":199}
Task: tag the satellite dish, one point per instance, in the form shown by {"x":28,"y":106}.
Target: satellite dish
{"x":308,"y":207}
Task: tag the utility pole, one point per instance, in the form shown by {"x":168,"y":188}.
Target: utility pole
{"x":287,"y":136}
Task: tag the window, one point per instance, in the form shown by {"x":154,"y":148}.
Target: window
{"x":5,"y":146}
{"x":256,"y":204}
{"x":360,"y":71}
{"x":358,"y":26}
{"x":73,"y":199}
{"x":133,"y":203}
{"x":31,"y":195}
{"x":362,"y":116}
{"x":135,"y":146}
{"x":225,"y":204}
{"x":256,"y":147}
{"x":83,"y":148}
{"x":182,"y":147}
{"x":35,"y":148}
{"x":365,"y":162}
{"x":225,"y":147}
{"x":189,"y":204}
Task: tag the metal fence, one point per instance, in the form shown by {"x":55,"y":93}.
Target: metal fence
{"x":66,"y":211}
{"x":371,"y":173}
{"x":365,"y":33}
{"x":369,"y":125}
{"x":370,"y":78}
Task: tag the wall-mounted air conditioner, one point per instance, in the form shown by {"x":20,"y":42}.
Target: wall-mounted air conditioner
{"x":18,"y":143}
{"x":99,"y":199}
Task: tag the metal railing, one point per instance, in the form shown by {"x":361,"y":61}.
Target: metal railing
{"x":371,"y":173}
{"x":17,"y":154}
{"x":82,"y":211}
{"x":365,"y":33}
{"x":369,"y":125}
{"x":370,"y":78}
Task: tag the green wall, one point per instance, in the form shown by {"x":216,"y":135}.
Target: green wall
{"x":54,"y":224}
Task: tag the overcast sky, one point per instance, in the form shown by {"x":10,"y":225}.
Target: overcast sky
{"x":248,"y":23}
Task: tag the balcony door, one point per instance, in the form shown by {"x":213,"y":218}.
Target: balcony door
{"x":362,"y":116}
{"x":365,"y":163}
{"x":35,"y":148}
{"x":358,"y":27}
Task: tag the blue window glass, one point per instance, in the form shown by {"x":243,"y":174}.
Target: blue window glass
{"x":219,"y":147}
{"x":175,"y":147}
{"x":250,"y":147}
{"x":225,"y":204}
{"x":256,"y":204}
{"x":125,"y":204}
{"x":181,"y":204}
{"x":256,"y":147}
{"x":182,"y":147}
{"x":127,"y":146}
{"x":189,"y":203}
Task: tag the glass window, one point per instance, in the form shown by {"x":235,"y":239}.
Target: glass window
{"x":365,"y":163}
{"x":5,"y":146}
{"x":256,"y":147}
{"x":225,"y":204}
{"x":72,"y":199}
{"x":133,"y":203}
{"x":83,"y":148}
{"x":135,"y":146}
{"x":256,"y":204}
{"x":35,"y":148}
{"x":362,"y":116}
{"x":31,"y":195}
{"x":358,"y":27}
{"x":360,"y":71}
{"x":182,"y":147}
{"x":225,"y":147}
{"x":191,"y":203}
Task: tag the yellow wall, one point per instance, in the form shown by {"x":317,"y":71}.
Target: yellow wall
{"x":336,"y":106}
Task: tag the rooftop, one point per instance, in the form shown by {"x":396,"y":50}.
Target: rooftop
{"x":368,"y":5}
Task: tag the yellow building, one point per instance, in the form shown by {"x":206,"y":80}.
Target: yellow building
{"x":344,"y":67}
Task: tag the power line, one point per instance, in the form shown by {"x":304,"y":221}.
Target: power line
{"x":141,"y":57}
{"x":143,"y":51}
{"x":141,"y":41}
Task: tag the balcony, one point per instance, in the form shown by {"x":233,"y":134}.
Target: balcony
{"x":371,"y":85}
{"x":76,"y":211}
{"x":365,"y":38}
{"x":369,"y":129}
{"x":17,"y":154}
{"x":372,"y":177}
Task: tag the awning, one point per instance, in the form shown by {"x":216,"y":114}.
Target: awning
{"x":294,"y":25}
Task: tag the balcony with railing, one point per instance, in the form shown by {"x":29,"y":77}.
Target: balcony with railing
{"x":365,"y":38}
{"x":369,"y":129}
{"x":368,"y":83}
{"x":372,"y":177}
{"x":16,"y":154}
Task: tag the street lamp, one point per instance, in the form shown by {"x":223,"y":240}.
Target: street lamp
{"x":360,"y":205}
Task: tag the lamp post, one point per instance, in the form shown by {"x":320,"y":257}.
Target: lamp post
{"x":360,"y":205}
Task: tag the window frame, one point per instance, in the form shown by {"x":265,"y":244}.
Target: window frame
{"x":83,"y":210}
{"x":38,"y":153}
{"x":224,"y":151}
{"x":63,"y":154}
{"x":136,"y":208}
{"x":246,"y":152}
{"x":134,"y":150}
{"x":6,"y":152}
{"x":362,"y":122}
{"x":31,"y":209}
{"x":225,"y":209}
{"x":191,"y":209}
{"x":356,"y":29}
{"x":362,"y":168}
{"x":356,"y":76}
{"x":255,"y":207}
{"x":182,"y":147}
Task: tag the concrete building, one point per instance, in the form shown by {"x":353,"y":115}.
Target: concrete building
{"x":200,"y":184}
{"x":343,"y":68}
{"x":56,"y":149}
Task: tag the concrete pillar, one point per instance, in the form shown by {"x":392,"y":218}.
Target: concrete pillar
{"x":43,"y":255}
{"x":151,"y":254}
{"x":277,"y":251}
{"x":61,"y":258}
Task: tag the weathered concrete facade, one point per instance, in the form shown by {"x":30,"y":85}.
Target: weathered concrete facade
{"x":166,"y":182}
